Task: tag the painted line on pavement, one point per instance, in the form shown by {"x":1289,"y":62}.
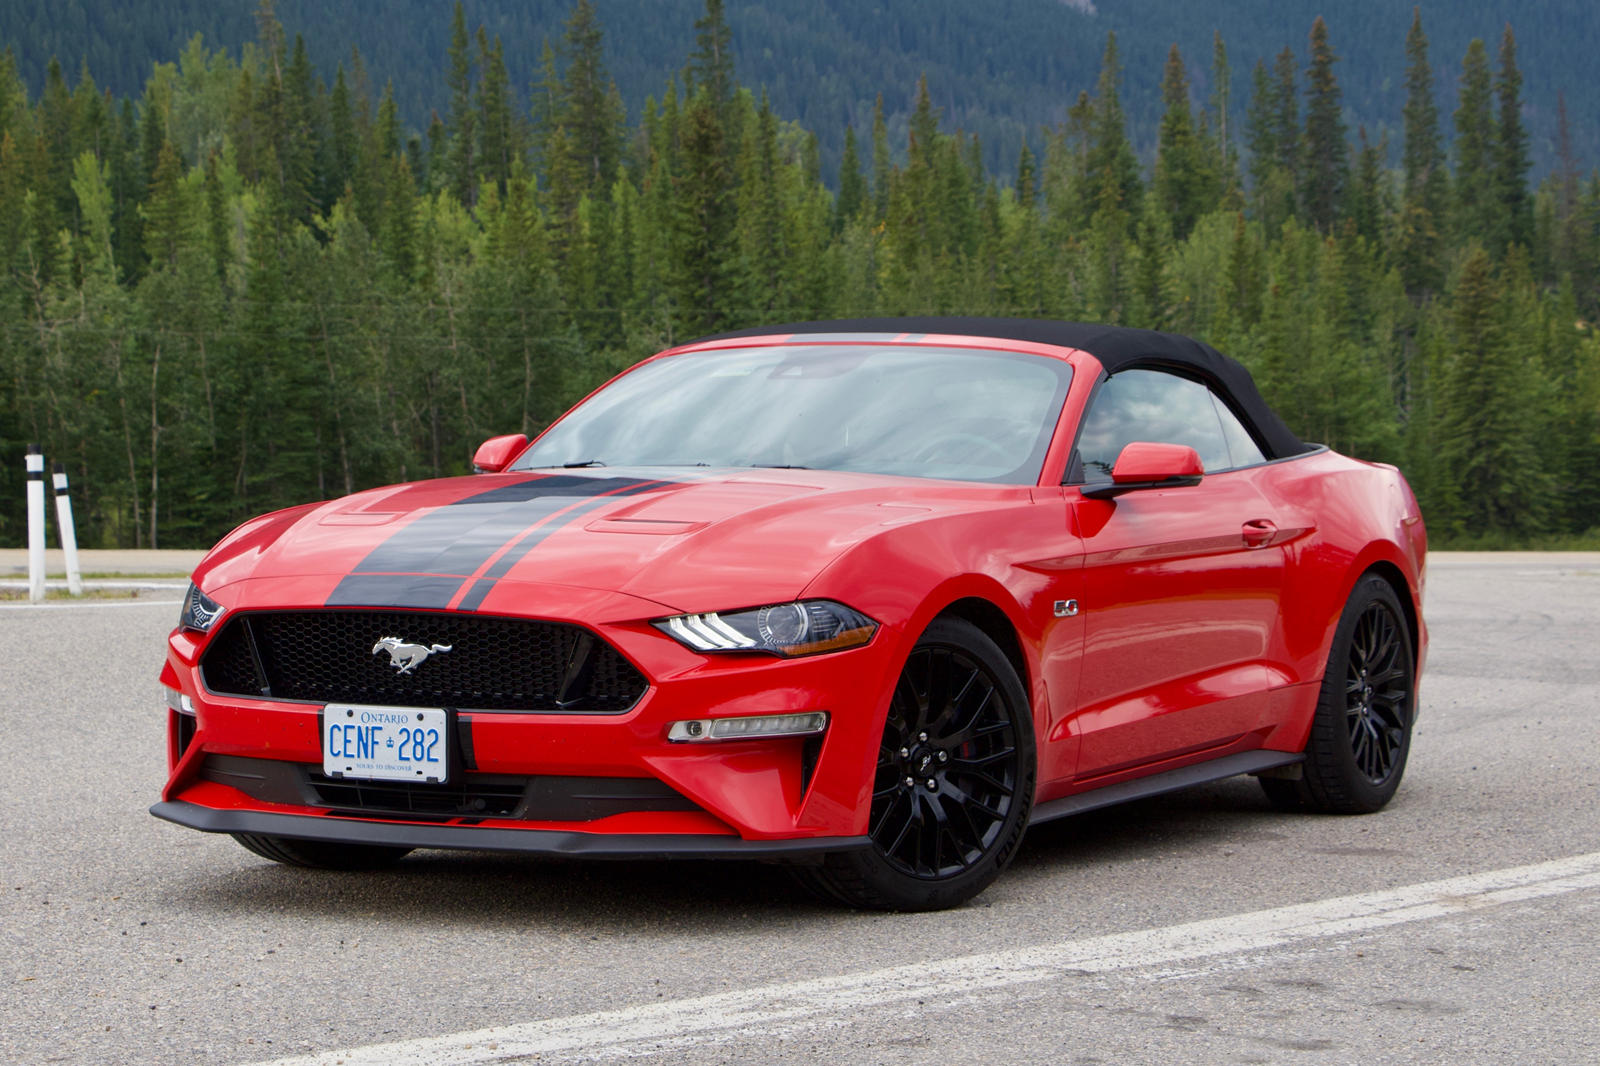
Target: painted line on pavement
{"x":729,"y":1016}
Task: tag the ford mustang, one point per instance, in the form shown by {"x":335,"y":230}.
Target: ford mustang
{"x":864,"y":597}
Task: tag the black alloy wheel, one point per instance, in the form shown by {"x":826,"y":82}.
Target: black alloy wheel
{"x":947,"y":774}
{"x":953,"y":783}
{"x":1377,"y":693}
{"x":1361,"y":734}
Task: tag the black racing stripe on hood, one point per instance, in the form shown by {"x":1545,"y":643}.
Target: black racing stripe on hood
{"x":424,"y":563}
{"x":395,"y":590}
{"x":502,"y":566}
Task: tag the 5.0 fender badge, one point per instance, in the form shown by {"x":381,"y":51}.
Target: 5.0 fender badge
{"x":406,"y":657}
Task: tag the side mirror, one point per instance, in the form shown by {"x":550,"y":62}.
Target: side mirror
{"x":1145,"y":465}
{"x":496,"y":453}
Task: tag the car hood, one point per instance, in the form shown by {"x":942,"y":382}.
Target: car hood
{"x":685,"y":539}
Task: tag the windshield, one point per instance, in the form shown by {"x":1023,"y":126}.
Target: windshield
{"x":915,"y":411}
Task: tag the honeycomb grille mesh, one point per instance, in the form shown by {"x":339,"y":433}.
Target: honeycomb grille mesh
{"x":331,"y":656}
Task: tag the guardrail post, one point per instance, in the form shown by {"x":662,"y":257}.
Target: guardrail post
{"x":69,"y":535}
{"x":35,"y":524}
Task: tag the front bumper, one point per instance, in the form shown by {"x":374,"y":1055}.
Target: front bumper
{"x":335,"y":829}
{"x":740,"y":798}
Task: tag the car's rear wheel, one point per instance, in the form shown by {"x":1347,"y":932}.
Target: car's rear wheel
{"x":321,"y":854}
{"x":953,"y":783}
{"x":1361,"y":734}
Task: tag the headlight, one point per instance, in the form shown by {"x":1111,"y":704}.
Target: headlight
{"x":200,"y":612}
{"x":786,"y":629}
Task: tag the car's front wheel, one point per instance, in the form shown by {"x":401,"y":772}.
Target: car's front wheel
{"x":321,"y":854}
{"x":1361,"y":733}
{"x":953,"y":783}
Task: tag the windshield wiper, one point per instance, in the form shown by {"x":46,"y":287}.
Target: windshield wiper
{"x":779,"y":466}
{"x":579,"y":463}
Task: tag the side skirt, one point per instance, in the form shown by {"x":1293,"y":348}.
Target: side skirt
{"x":1245,"y":762}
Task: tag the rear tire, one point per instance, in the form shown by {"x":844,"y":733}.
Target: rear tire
{"x":954,"y":780}
{"x":1361,"y":733}
{"x":321,"y":854}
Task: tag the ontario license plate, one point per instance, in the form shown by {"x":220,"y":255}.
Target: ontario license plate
{"x":385,"y":743}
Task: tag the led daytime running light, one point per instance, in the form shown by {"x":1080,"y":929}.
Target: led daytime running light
{"x":763,"y":726}
{"x":806,"y":627}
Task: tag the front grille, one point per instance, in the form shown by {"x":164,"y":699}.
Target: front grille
{"x":496,"y":664}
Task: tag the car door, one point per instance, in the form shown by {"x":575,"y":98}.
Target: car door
{"x":1180,"y":586}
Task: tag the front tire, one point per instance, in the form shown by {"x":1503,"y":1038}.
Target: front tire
{"x":953,"y":784}
{"x":1361,"y":734}
{"x":321,"y":854}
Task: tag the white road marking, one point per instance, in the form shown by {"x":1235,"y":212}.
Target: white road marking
{"x":60,"y":605}
{"x":729,"y":1015}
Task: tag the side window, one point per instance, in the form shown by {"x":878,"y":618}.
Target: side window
{"x":1153,"y":405}
{"x":1242,"y":448}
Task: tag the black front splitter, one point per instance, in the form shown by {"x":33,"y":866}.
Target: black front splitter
{"x":340,"y":830}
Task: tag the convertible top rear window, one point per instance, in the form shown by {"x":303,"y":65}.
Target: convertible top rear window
{"x":913,"y":410}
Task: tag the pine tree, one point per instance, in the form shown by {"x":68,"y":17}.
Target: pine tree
{"x":1365,"y":207}
{"x":461,"y":164}
{"x":297,"y":146}
{"x":1489,"y":417}
{"x":1261,"y":132}
{"x":1222,"y":105}
{"x":852,"y":185}
{"x":498,"y":145}
{"x":166,"y":211}
{"x":880,"y":163}
{"x":711,"y":65}
{"x":55,"y":121}
{"x":1515,"y":210}
{"x":217,"y":222}
{"x":759,"y":229}
{"x":1274,"y":140}
{"x":1424,"y":199}
{"x":547,"y":104}
{"x":1182,"y":186}
{"x":1477,"y":215}
{"x":702,"y":222}
{"x":1325,"y":168}
{"x":1113,"y":170}
{"x":1027,"y":179}
{"x":342,"y":128}
{"x":588,"y":110}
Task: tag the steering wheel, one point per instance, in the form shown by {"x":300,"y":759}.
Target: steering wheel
{"x":962,"y":443}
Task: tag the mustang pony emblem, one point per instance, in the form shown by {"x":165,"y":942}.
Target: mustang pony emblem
{"x":405,"y":657}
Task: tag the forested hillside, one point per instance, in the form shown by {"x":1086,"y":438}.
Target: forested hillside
{"x":1000,"y":69}
{"x":245,"y":288}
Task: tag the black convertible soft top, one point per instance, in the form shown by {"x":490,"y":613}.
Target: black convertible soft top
{"x":1116,"y":347}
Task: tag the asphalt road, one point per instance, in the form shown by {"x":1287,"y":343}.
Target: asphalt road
{"x":1200,"y":927}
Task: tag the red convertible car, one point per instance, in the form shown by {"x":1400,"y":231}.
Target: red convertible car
{"x":867,"y":597}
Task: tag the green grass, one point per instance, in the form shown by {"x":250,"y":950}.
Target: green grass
{"x":1504,"y":542}
{"x":12,"y":595}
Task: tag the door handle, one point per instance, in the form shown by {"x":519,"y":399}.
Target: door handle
{"x":1258,"y":533}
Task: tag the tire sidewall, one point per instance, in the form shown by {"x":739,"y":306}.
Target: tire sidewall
{"x":1334,"y":780}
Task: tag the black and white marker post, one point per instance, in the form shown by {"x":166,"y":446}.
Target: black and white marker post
{"x":35,"y":524}
{"x":69,"y":535}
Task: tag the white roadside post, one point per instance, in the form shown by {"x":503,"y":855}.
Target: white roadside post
{"x":69,"y":535}
{"x":35,"y":524}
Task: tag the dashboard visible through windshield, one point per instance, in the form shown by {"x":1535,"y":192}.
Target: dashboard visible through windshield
{"x":887,"y":409}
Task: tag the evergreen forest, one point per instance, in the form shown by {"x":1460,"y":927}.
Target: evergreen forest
{"x":251,"y":285}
